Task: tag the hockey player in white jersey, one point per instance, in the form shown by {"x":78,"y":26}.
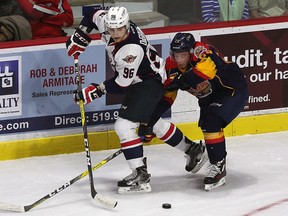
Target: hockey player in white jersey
{"x":139,"y":74}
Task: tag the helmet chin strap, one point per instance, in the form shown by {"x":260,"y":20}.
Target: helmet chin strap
{"x":126,"y":34}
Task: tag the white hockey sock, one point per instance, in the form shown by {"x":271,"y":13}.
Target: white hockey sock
{"x":136,"y":162}
{"x":183,"y":146}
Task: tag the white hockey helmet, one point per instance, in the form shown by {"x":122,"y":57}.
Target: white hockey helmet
{"x":117,"y":17}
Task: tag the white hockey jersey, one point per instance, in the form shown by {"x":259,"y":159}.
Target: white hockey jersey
{"x":134,"y":59}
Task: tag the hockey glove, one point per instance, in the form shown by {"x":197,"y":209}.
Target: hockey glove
{"x":146,"y":133}
{"x":168,"y":85}
{"x":77,"y":43}
{"x":89,"y":93}
{"x":177,"y":83}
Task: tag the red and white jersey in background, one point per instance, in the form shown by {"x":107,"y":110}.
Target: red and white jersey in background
{"x":47,"y":17}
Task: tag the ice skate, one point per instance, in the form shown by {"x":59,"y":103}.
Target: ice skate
{"x":196,"y":156}
{"x":136,"y":182}
{"x":215,"y":176}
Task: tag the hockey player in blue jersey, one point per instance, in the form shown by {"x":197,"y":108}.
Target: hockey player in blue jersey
{"x":222,"y":91}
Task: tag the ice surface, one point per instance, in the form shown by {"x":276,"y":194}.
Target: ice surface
{"x":257,"y":173}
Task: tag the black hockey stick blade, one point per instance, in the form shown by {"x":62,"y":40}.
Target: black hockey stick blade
{"x":107,"y":202}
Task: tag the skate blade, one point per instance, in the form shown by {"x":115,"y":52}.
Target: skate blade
{"x":200,"y":164}
{"x":209,"y":187}
{"x":142,"y":188}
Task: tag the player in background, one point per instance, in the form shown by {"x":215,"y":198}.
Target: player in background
{"x":222,"y":91}
{"x":139,"y":74}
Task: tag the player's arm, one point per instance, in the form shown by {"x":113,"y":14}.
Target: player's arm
{"x":112,"y":87}
{"x":30,"y":12}
{"x":79,"y":40}
{"x":172,"y":73}
{"x":64,"y":18}
{"x":93,"y":20}
{"x":94,"y":90}
{"x":170,"y":90}
{"x":192,"y":83}
{"x":195,"y":84}
{"x":206,"y":61}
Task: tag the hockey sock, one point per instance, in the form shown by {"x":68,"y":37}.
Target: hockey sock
{"x":133,"y":152}
{"x":171,"y":135}
{"x":215,"y":145}
{"x":183,"y":145}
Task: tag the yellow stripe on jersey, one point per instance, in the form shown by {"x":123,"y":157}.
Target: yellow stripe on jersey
{"x":206,"y":67}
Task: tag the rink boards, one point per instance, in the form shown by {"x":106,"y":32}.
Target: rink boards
{"x":38,"y":115}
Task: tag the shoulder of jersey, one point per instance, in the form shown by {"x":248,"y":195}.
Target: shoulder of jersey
{"x":199,"y":49}
{"x":133,"y":35}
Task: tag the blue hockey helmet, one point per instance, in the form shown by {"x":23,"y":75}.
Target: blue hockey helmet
{"x":182,"y":42}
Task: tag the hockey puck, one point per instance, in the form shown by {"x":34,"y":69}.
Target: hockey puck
{"x":166,"y":205}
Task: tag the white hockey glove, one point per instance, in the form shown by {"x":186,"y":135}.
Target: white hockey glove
{"x":202,"y":90}
{"x":89,"y":93}
{"x":77,"y":43}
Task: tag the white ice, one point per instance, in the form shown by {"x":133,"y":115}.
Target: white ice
{"x":257,"y":173}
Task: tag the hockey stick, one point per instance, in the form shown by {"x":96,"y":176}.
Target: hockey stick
{"x":19,"y":208}
{"x":105,"y":201}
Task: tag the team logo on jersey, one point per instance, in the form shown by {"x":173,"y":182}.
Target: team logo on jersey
{"x":199,"y":51}
{"x":129,"y":58}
